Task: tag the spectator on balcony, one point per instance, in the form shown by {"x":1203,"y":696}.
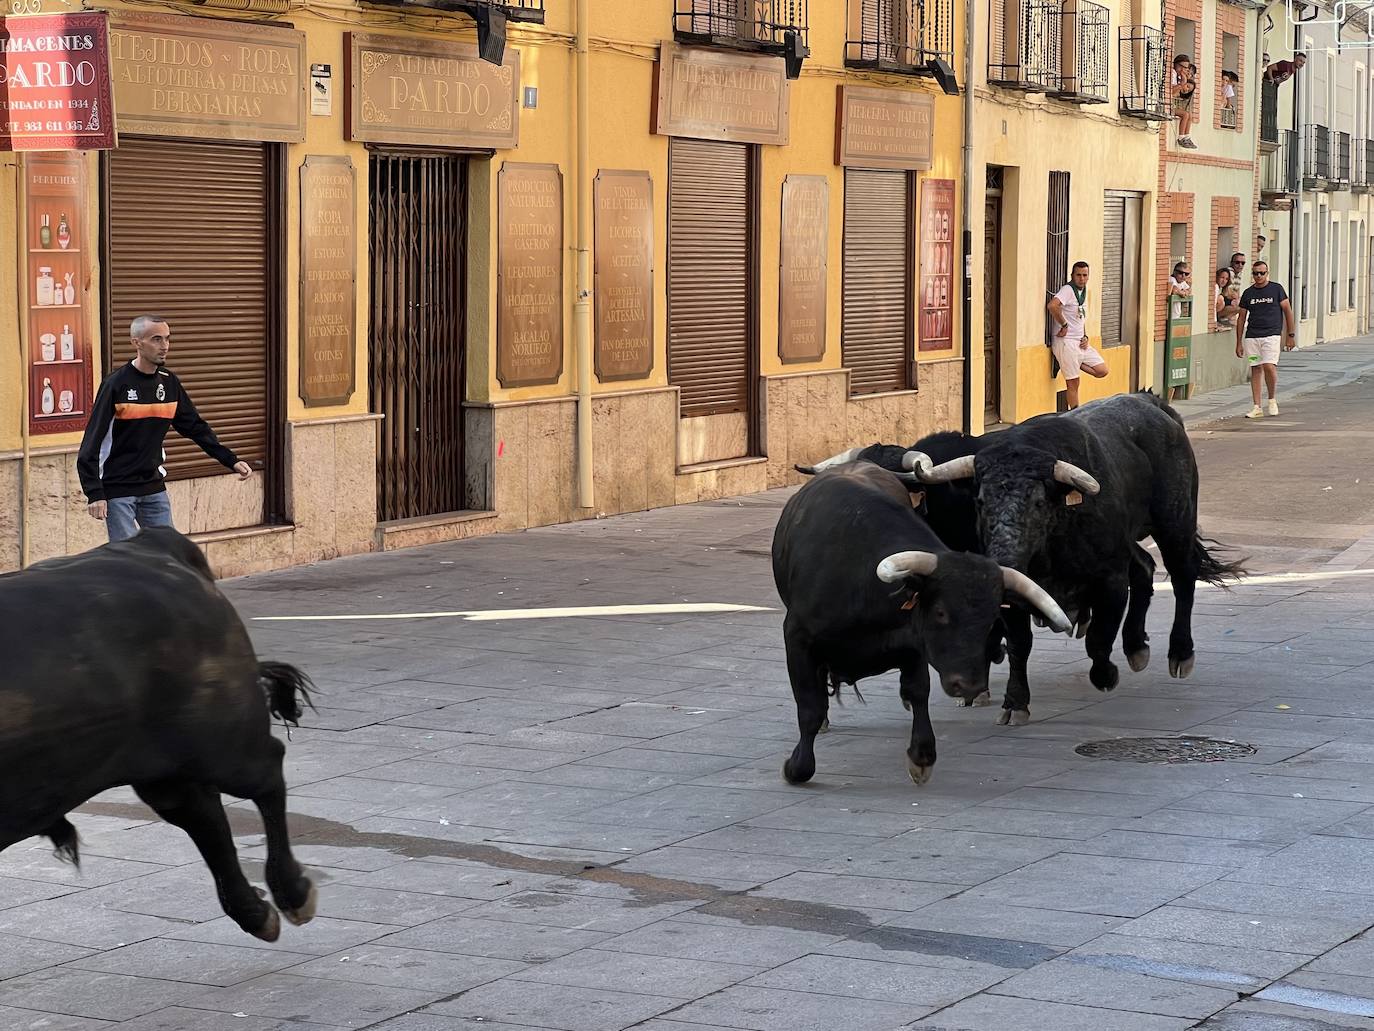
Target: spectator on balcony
{"x":1259,"y":246}
{"x":1226,"y":299}
{"x":1181,"y":282}
{"x":1229,"y":82}
{"x":1182,"y":86}
{"x":1069,"y":310}
{"x":1281,"y":71}
{"x":1238,"y":267}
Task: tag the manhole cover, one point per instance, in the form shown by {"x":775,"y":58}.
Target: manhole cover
{"x":1165,"y":750}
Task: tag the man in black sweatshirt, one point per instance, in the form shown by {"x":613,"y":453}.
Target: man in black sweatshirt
{"x":120,"y":462}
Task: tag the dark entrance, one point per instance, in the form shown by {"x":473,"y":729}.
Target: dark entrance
{"x":992,"y":301}
{"x":417,"y":249}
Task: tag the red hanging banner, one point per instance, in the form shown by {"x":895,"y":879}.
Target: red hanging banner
{"x":55,"y":87}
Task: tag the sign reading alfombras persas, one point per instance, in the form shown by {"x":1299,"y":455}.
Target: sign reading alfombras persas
{"x":529,"y":279}
{"x":55,"y":88}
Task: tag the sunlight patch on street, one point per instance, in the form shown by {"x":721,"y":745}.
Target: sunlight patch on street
{"x":489,"y":615}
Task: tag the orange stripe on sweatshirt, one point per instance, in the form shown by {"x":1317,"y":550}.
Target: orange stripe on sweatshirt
{"x":134,"y":410}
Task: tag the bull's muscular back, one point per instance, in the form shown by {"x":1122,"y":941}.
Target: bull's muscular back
{"x":119,"y":657}
{"x":829,"y":540}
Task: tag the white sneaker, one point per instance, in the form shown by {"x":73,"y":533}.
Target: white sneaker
{"x":1255,"y":413}
{"x":1273,"y":407}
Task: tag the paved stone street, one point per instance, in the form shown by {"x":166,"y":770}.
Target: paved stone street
{"x":580,"y":823}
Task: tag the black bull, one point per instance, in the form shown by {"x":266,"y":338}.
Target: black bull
{"x":841,"y":544}
{"x":128,"y":667}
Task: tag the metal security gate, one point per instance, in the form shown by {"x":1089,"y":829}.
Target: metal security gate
{"x":192,"y":232}
{"x":1120,"y":274}
{"x":992,"y":307}
{"x":876,"y":327}
{"x":417,"y":250}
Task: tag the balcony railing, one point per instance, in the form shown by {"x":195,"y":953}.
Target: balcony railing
{"x":1144,"y":71}
{"x":1279,"y":171}
{"x":900,"y":35}
{"x":1228,"y":117}
{"x":768,"y":26}
{"x":1024,"y":40}
{"x":1269,"y":115}
{"x":1316,"y":157}
{"x":1362,"y":172}
{"x":1085,"y":50}
{"x":1340,"y":159}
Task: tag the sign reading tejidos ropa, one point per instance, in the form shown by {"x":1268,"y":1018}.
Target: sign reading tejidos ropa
{"x":529,"y":284}
{"x":204,"y":78}
{"x":710,"y":95}
{"x":430,"y":93}
{"x":880,"y":128}
{"x":55,"y":91}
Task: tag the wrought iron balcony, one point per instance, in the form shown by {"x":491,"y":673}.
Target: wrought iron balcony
{"x":491,"y":17}
{"x":1085,"y":53}
{"x":1144,"y":72}
{"x":1279,"y":173}
{"x":766,"y":26}
{"x":1024,"y":39}
{"x":1316,"y":158}
{"x":1269,"y":116}
{"x":1362,"y":174}
{"x":1340,"y":160}
{"x":1228,"y":117}
{"x":906,"y":36}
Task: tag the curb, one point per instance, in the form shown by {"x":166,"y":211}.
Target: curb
{"x":1241,"y":404}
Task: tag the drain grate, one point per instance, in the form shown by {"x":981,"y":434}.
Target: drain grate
{"x":1184,"y":749}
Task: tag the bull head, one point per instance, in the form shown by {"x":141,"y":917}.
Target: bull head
{"x":907,"y":564}
{"x":962,"y":469}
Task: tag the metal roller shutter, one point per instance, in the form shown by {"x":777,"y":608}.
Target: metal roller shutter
{"x":188,"y":239}
{"x":1113,"y":247}
{"x":876,"y":328}
{"x":710,"y":285}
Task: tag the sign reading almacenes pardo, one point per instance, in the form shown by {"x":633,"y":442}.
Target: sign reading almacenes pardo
{"x":55,"y":88}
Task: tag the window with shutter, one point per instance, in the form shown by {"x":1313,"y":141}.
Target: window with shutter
{"x":711,"y":284}
{"x":190,"y":236}
{"x":876,"y":322}
{"x":1113,"y":249}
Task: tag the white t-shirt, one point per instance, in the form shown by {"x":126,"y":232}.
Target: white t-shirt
{"x":1072,"y":313}
{"x":1228,"y":91}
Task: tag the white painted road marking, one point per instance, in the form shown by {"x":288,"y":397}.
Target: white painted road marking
{"x":1269,"y":579}
{"x":487,"y":615}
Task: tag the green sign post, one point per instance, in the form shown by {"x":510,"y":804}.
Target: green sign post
{"x":1178,"y":348}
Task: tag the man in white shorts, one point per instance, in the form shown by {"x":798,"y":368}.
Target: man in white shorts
{"x":1075,"y":355}
{"x":1264,"y":324}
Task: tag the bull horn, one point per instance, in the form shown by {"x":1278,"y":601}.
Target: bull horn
{"x":1067,"y":472}
{"x":898,"y":567}
{"x":917,"y":462}
{"x":843,"y":458}
{"x":1024,"y":587}
{"x":957,"y":469}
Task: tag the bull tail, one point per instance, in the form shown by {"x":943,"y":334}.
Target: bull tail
{"x":1210,"y":568}
{"x":66,"y":844}
{"x":287,"y":689}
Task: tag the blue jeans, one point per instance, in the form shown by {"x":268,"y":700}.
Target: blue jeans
{"x":124,"y":517}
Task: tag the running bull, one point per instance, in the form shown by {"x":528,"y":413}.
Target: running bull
{"x":868,"y":588}
{"x":128,"y":666}
{"x":1066,"y":499}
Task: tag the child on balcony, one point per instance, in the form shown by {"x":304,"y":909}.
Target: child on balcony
{"x":1182,"y":85}
{"x":1229,"y":81}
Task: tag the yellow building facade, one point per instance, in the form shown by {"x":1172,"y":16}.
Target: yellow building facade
{"x":1067,"y":103}
{"x":365,"y":237}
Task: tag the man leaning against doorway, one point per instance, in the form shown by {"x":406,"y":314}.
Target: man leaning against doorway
{"x":1069,"y":310}
{"x":121,"y":456}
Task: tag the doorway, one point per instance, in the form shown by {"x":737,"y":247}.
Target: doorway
{"x":417,"y":243}
{"x":992,"y":299}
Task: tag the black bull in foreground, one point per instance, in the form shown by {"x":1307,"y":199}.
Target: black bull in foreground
{"x":869,"y":587}
{"x":125,"y":665}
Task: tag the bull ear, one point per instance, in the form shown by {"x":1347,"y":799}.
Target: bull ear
{"x":918,"y":499}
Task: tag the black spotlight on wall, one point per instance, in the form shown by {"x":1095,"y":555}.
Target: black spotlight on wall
{"x":944,"y":75}
{"x":491,"y":34}
{"x":794,"y":51}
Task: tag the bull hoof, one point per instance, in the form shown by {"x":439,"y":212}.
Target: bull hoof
{"x":906,"y":705}
{"x":270,"y":930}
{"x":918,"y":774}
{"x":798,"y":773}
{"x":305,"y":912}
{"x":1138,"y":660}
{"x":1081,"y":631}
{"x":1104,"y":677}
{"x":825,"y":726}
{"x":1180,"y":668}
{"x":1013,"y":717}
{"x":979,"y":699}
